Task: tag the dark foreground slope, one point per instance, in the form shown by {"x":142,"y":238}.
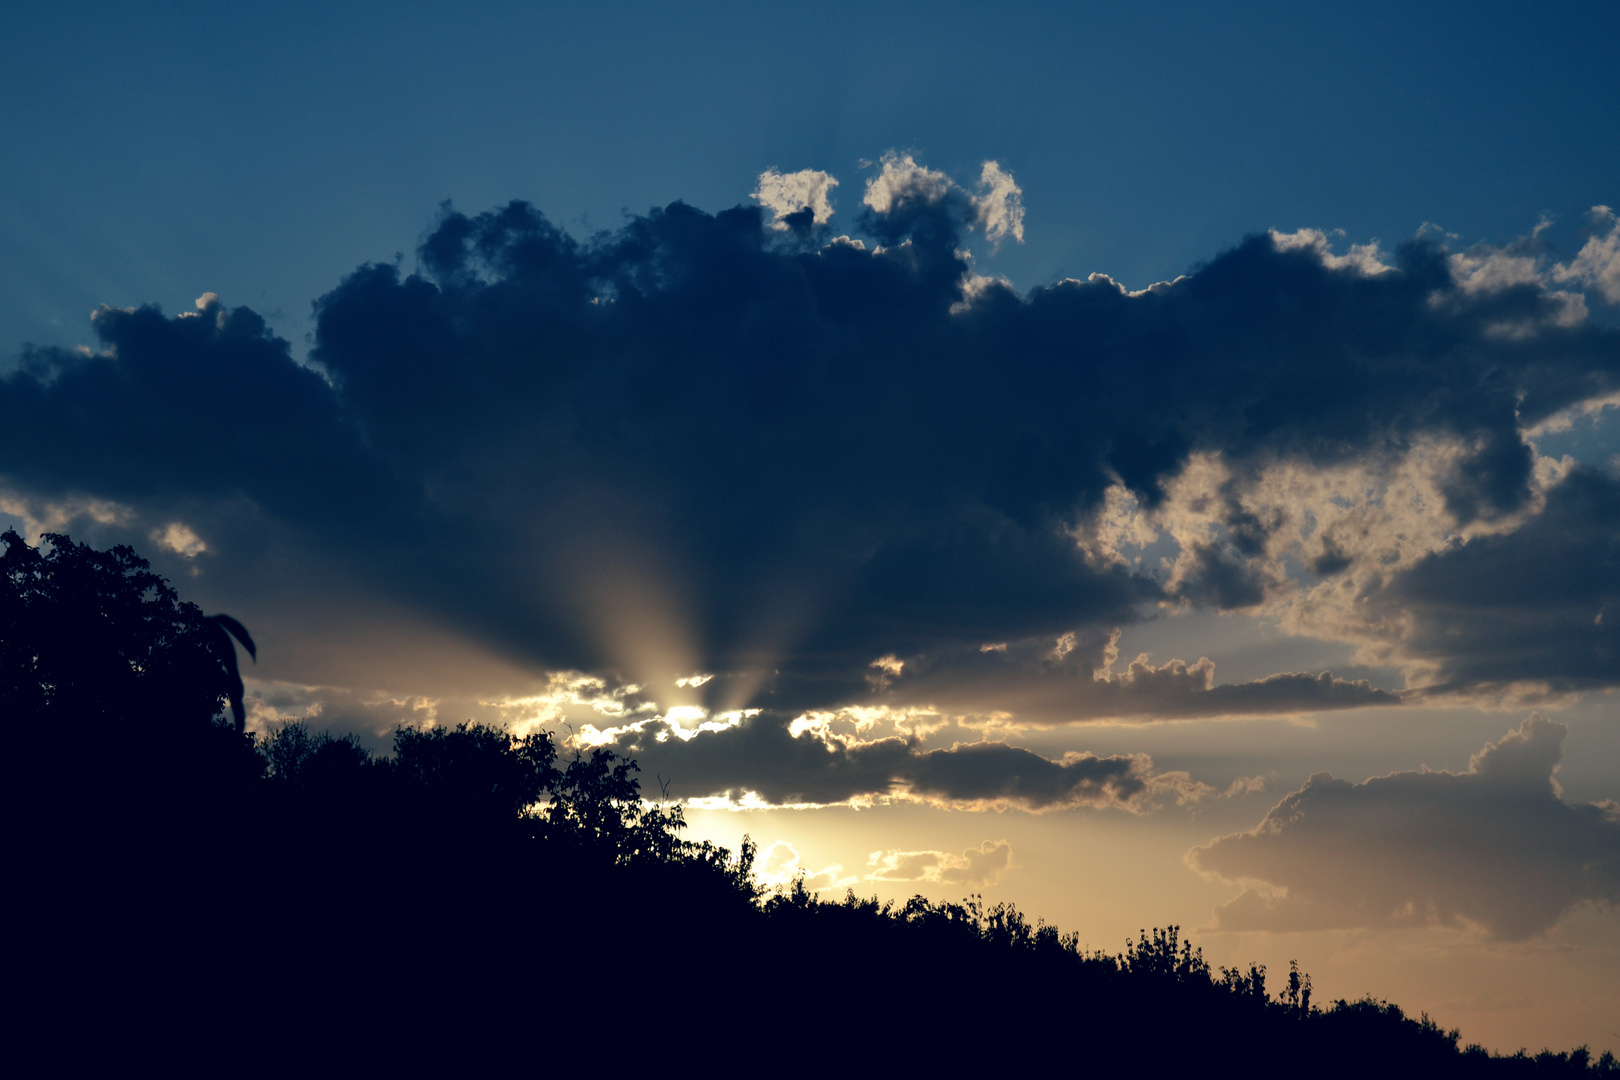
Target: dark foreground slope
{"x":191,"y":897}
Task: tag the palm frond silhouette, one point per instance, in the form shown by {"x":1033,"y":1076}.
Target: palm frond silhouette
{"x":223,"y":629}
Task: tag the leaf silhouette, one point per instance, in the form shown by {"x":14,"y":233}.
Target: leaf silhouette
{"x":225,"y":628}
{"x":239,"y":632}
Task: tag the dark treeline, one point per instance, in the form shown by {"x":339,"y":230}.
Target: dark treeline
{"x":193,"y":894}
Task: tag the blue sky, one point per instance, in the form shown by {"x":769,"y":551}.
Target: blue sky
{"x":156,"y":151}
{"x":862,"y":543}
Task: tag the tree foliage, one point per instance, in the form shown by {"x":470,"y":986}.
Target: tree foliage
{"x":99,"y":637}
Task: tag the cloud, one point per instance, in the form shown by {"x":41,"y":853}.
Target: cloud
{"x":1597,"y":264}
{"x":901,"y":180}
{"x":771,"y":759}
{"x":1494,"y":847}
{"x":977,"y":868}
{"x":565,"y":701}
{"x":904,"y":192}
{"x":370,"y":716}
{"x":994,"y":773}
{"x":1074,"y":678}
{"x":1366,"y":259}
{"x":786,"y":194}
{"x":698,"y":444}
{"x":178,"y":538}
{"x":1534,"y":611}
{"x":58,"y":515}
{"x":1000,"y":204}
{"x":780,"y":865}
{"x":778,"y":857}
{"x":1501,"y":605}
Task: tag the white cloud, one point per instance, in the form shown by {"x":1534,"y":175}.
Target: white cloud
{"x":1319,"y":544}
{"x":1000,"y":204}
{"x":566,"y":691}
{"x":780,"y":865}
{"x":1597,"y":264}
{"x":780,"y":857}
{"x":681,"y":722}
{"x":59,"y":515}
{"x":1524,"y":263}
{"x":180,"y":539}
{"x":1366,"y":259}
{"x":978,"y":867}
{"x":902,"y":179}
{"x":977,"y":286}
{"x":886,"y":670}
{"x":1487,"y":269}
{"x":1590,"y":410}
{"x":997,"y":206}
{"x":788,"y":193}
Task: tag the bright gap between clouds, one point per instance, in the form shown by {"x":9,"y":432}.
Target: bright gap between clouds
{"x":684,"y":722}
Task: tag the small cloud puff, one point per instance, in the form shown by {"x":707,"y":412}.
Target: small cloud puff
{"x":780,"y":865}
{"x":978,"y":867}
{"x":1000,"y":204}
{"x":180,"y":539}
{"x":784,"y":194}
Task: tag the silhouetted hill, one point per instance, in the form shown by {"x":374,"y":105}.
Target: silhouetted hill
{"x":194,"y":897}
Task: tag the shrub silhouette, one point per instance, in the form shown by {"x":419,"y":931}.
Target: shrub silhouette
{"x":300,"y":758}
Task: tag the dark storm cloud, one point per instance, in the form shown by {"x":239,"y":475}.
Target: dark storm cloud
{"x":701,"y":439}
{"x":996,"y":772}
{"x":205,"y":405}
{"x":764,"y":754}
{"x":1541,"y":604}
{"x":1495,"y":846}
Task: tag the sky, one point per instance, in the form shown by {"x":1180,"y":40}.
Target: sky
{"x":1149,"y":464}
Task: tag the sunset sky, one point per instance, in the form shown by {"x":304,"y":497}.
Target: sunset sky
{"x":1148,"y":463}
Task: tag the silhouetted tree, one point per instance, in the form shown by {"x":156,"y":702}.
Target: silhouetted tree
{"x":113,"y":689}
{"x":96,"y":638}
{"x":473,"y":771}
